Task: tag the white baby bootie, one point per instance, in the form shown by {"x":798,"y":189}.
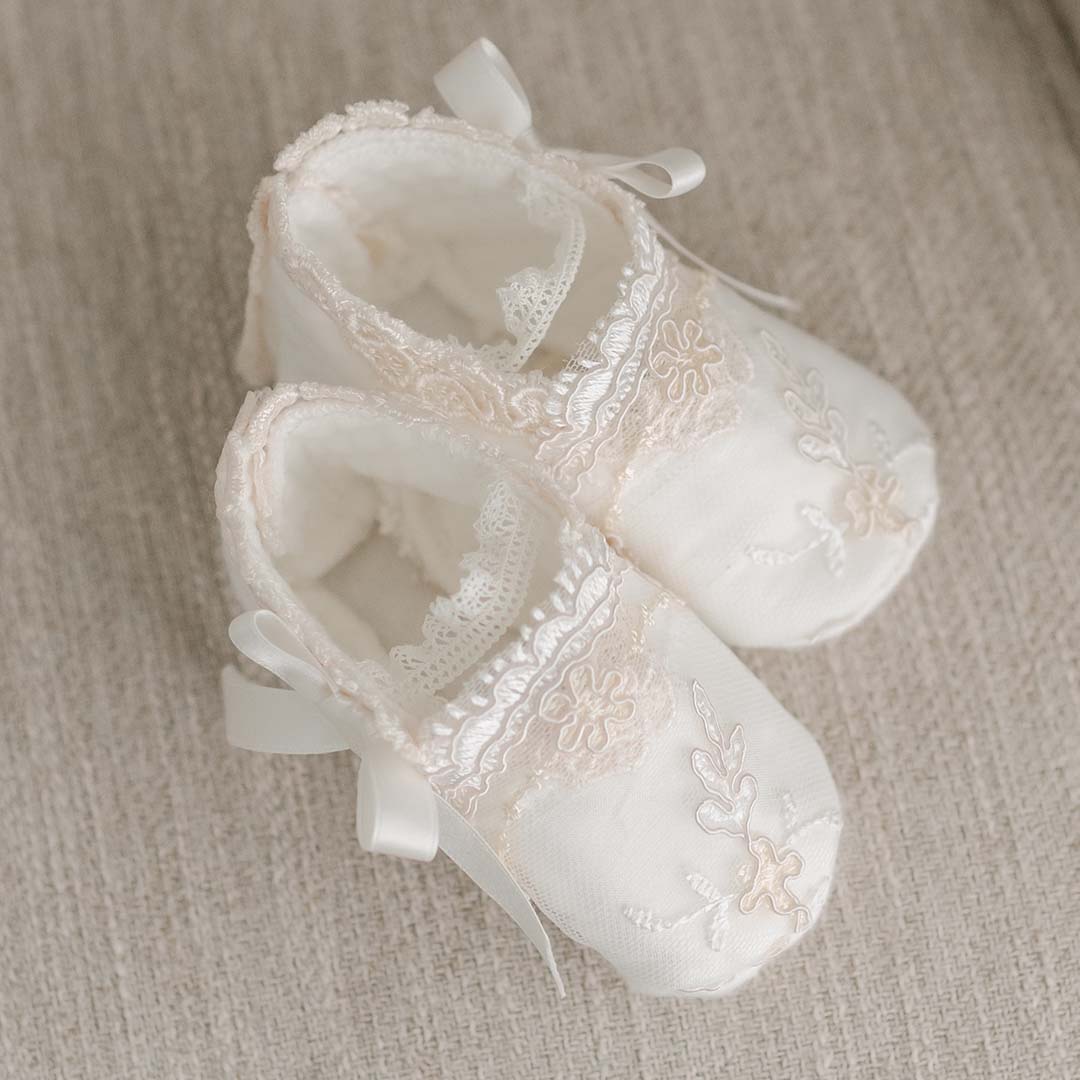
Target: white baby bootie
{"x":520,"y":695}
{"x":774,"y":484}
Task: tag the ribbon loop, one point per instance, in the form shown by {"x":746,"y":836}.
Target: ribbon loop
{"x":396,"y":810}
{"x":272,"y":721}
{"x":395,"y":806}
{"x":480,"y":86}
{"x":262,"y":637}
{"x":683,"y":169}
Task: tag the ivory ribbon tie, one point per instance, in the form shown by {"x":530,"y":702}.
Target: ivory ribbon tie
{"x":480,"y":87}
{"x":397,"y":811}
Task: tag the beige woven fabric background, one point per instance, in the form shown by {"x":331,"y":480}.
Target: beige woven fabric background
{"x":170,"y":908}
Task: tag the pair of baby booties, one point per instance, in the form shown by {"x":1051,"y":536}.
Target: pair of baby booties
{"x":524,"y":478}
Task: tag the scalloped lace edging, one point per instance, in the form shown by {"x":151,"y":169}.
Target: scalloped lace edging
{"x":458,"y":630}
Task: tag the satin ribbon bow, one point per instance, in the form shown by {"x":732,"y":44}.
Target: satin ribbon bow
{"x":480,"y":87}
{"x":397,"y":810}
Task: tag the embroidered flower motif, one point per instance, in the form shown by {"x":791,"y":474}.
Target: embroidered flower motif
{"x":869,"y":498}
{"x":732,"y":795}
{"x":770,"y":881}
{"x":685,"y":359}
{"x":587,"y":713}
{"x":694,"y":367}
{"x":870,"y":502}
{"x":870,"y":494}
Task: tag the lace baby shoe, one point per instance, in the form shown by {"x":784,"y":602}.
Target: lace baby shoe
{"x":563,"y":727}
{"x":780,"y":488}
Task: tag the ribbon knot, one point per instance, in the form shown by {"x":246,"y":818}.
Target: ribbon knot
{"x":397,"y":810}
{"x":480,"y":87}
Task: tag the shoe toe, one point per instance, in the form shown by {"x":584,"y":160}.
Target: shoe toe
{"x":797,"y":521}
{"x":711,"y":858}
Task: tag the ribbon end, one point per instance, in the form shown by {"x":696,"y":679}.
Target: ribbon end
{"x":480,"y":86}
{"x":560,"y":987}
{"x":782,"y":303}
{"x":396,"y":809}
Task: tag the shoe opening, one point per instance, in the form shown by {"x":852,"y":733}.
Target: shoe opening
{"x":407,"y":548}
{"x":461,"y":240}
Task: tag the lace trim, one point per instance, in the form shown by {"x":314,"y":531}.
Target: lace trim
{"x":459,"y":630}
{"x":601,"y":718}
{"x":593,"y":395}
{"x":648,"y":376}
{"x":531,"y":298}
{"x":434,"y":373}
{"x":580,"y":413}
{"x":476,"y":733}
{"x":697,"y":366}
{"x":602,"y":714}
{"x":575,"y":697}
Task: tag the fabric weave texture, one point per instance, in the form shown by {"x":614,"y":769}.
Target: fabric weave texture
{"x":910,"y":171}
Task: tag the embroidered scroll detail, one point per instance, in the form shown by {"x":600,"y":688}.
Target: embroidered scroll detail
{"x":685,"y":361}
{"x":869,"y":497}
{"x":732,"y":795}
{"x":590,"y":708}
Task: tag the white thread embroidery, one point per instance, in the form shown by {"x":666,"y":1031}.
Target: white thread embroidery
{"x":683,"y":361}
{"x":732,"y":794}
{"x":868,"y":499}
{"x":590,"y":708}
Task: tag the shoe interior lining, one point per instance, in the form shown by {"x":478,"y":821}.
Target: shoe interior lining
{"x":368,"y":523}
{"x":428,"y":226}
